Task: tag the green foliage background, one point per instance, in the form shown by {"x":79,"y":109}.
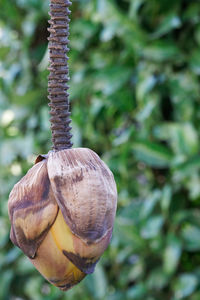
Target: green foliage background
{"x":135,"y":100}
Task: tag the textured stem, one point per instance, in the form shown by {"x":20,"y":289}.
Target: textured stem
{"x":59,"y":74}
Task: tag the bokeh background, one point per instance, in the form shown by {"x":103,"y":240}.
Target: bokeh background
{"x":135,"y":100}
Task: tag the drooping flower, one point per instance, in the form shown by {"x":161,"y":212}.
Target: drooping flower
{"x":62,"y":213}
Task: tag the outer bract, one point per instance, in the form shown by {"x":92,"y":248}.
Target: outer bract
{"x":62,"y":213}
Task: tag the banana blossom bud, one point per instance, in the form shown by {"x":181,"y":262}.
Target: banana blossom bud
{"x":62,"y":213}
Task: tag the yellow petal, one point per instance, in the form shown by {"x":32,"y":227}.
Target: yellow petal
{"x":52,"y":263}
{"x":84,"y":256}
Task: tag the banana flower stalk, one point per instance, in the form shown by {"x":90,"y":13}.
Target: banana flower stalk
{"x":62,"y":211}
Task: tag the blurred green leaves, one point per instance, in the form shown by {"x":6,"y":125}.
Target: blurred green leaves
{"x":135,"y":100}
{"x":185,"y":286}
{"x":154,"y":155}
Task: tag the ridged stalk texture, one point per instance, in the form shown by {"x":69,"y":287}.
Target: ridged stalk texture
{"x":59,"y":74}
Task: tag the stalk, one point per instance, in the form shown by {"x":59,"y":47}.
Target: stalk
{"x":59,"y":74}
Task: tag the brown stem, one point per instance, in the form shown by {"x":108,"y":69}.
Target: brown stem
{"x":59,"y":74}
